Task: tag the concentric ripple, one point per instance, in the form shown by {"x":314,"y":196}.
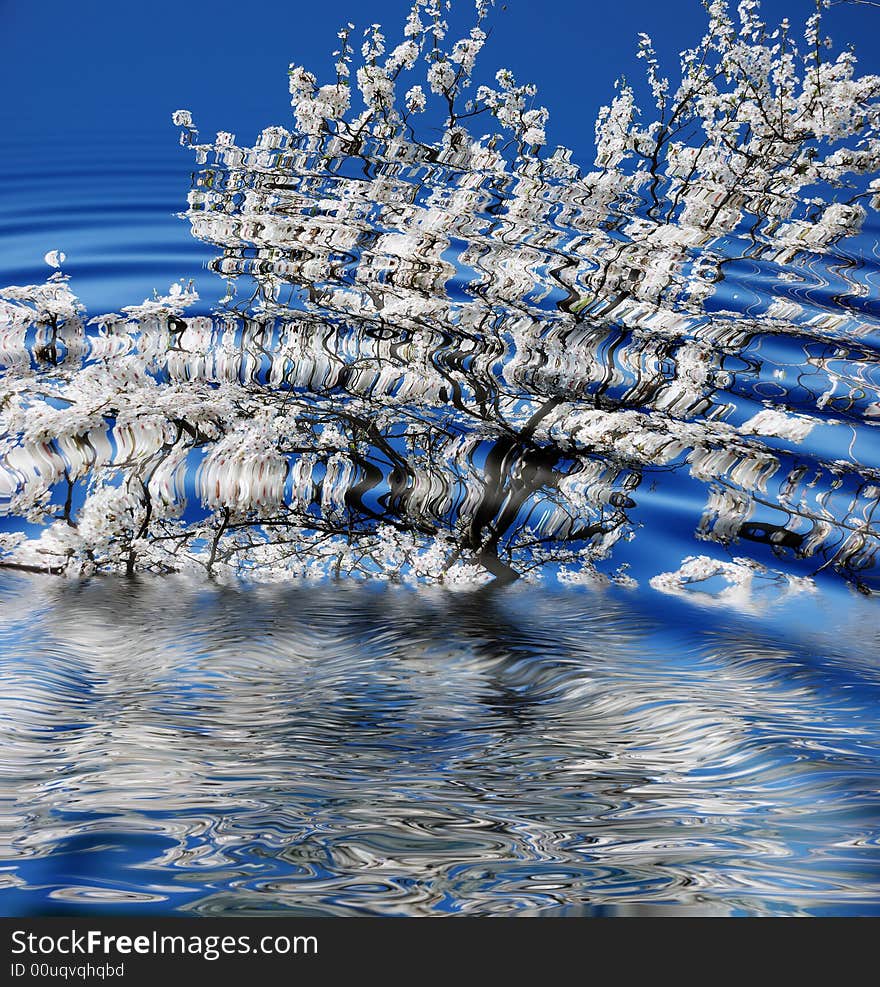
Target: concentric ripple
{"x":445,"y":371}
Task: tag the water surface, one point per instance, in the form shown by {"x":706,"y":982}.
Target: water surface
{"x":350,"y":751}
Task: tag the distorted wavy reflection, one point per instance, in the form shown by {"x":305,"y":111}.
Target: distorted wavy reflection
{"x":349,"y":750}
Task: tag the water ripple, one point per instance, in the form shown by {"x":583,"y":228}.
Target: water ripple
{"x":345,"y":751}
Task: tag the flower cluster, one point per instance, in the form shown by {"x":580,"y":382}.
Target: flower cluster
{"x":463,"y":360}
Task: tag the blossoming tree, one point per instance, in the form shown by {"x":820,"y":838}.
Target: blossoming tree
{"x":455,"y":360}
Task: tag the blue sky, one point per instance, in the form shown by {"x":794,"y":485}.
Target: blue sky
{"x":102,"y":68}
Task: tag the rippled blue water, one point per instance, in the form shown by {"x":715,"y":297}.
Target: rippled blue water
{"x":692,"y":727}
{"x":354,"y":751}
{"x":111,"y":207}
